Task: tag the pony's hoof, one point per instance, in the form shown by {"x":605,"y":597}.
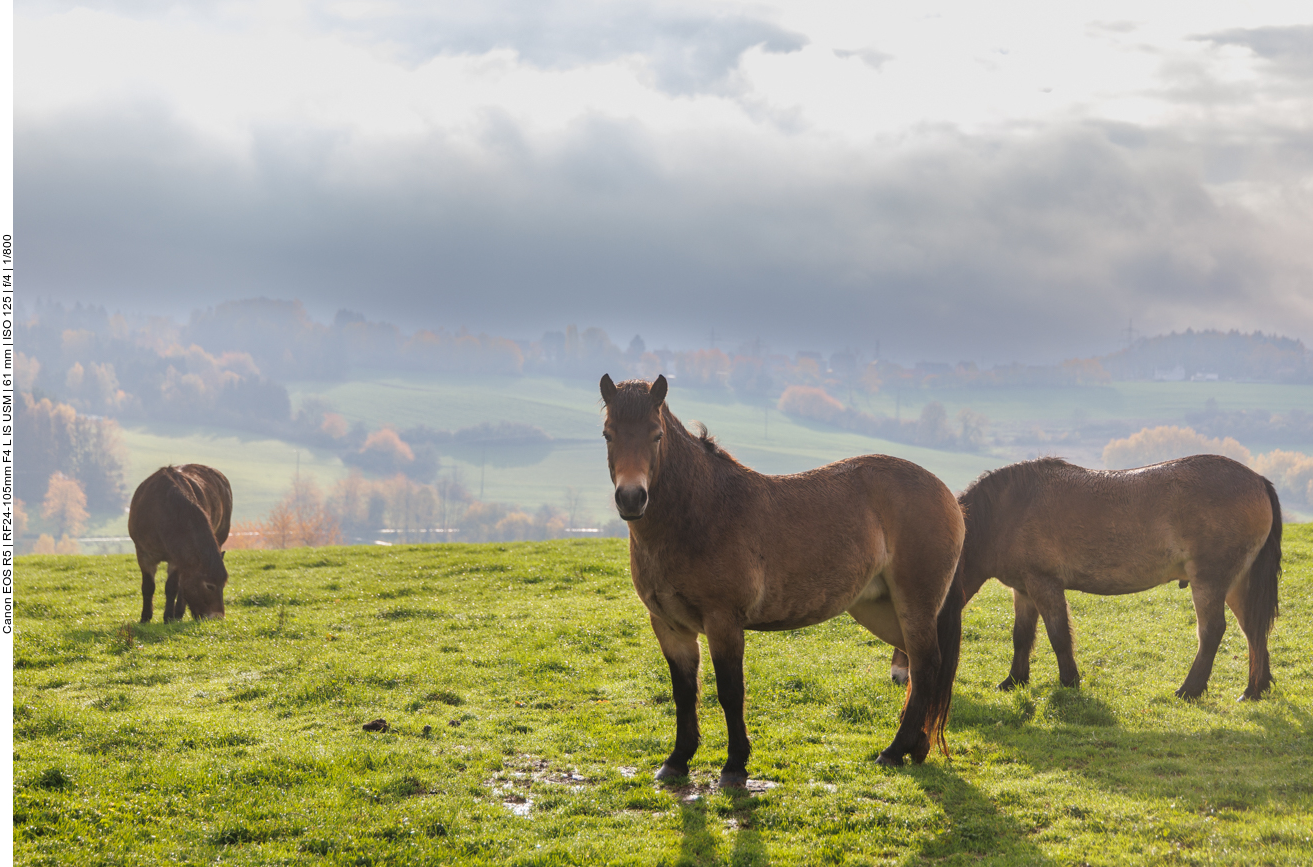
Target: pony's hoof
{"x":1011,"y":683}
{"x":671,"y":772}
{"x":889,"y":759}
{"x":1189,"y":694}
{"x":921,"y":750}
{"x":733,"y":780}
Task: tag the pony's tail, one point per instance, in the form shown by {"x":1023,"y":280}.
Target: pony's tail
{"x":1261,"y":594}
{"x":949,"y":634}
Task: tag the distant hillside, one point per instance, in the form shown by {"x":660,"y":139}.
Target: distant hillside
{"x":1212,"y":355}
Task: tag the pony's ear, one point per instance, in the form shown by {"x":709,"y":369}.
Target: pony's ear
{"x":658,"y":390}
{"x":608,"y":388}
{"x":222,"y":554}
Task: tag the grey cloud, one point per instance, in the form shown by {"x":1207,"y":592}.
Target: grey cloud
{"x":1289,"y":49}
{"x":1031,"y":247}
{"x":870,"y":56}
{"x":689,"y":49}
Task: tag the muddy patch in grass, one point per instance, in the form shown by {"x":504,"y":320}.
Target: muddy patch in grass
{"x":694,"y":789}
{"x":513,"y":786}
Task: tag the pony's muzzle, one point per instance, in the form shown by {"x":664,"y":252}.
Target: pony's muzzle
{"x":631,"y":500}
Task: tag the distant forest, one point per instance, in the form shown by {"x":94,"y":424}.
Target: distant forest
{"x":81,"y":368}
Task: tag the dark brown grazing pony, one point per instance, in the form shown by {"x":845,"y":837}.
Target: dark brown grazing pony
{"x":1043,"y":527}
{"x":181,"y":515}
{"x":715,"y":548}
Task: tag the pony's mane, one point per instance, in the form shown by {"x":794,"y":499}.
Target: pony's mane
{"x":706,"y":440}
{"x":980,"y":501}
{"x":988,"y":483}
{"x":632,"y":401}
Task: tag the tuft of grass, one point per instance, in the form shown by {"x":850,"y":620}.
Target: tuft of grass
{"x":529,"y":705}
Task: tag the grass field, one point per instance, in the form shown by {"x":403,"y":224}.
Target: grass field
{"x":241,"y":741}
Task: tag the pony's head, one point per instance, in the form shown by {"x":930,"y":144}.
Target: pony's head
{"x":633,"y":430}
{"x":202,"y":590}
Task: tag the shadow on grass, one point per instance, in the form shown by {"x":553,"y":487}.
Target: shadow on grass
{"x":1227,"y":766}
{"x":976,"y":827}
{"x":1061,"y":705}
{"x":699,"y":844}
{"x":128,"y":633}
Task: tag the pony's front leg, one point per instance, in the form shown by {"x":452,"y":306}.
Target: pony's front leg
{"x":147,"y":588}
{"x":174,"y":606}
{"x":1025,"y":619}
{"x":1046,"y":592}
{"x":726,"y":644}
{"x":1260,"y":667}
{"x":684,"y":656}
{"x":899,"y":667}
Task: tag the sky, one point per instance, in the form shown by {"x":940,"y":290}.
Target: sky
{"x":940,"y":181}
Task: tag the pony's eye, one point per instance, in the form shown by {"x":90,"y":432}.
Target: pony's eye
{"x":606,"y":436}
{"x":657,"y":438}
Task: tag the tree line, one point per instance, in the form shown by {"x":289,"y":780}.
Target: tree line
{"x":1291,"y":473}
{"x":361,"y":510}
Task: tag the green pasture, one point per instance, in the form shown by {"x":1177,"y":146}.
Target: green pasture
{"x":570,"y":411}
{"x":261,"y":468}
{"x":548,"y":706}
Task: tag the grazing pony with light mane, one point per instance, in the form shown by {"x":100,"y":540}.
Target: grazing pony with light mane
{"x":716,"y":548}
{"x":180,"y":515}
{"x":1043,"y":527}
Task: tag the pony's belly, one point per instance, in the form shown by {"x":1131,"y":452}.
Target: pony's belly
{"x":875,"y":589}
{"x":1118,"y":582}
{"x":820,"y":607}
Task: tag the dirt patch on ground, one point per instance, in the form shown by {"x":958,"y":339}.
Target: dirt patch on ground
{"x":695,"y":789}
{"x":513,"y":785}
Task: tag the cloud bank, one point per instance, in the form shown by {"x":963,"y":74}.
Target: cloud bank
{"x":750,"y":171}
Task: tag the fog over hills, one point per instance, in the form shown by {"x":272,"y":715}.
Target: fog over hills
{"x":942,"y":184}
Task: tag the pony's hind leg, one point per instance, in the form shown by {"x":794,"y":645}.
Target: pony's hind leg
{"x":726,"y":644}
{"x":911,"y":738}
{"x":921,"y":646}
{"x":1260,"y":666}
{"x":1210,"y":613}
{"x":1025,"y":619}
{"x":684,"y":656}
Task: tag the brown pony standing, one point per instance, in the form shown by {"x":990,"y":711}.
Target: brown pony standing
{"x":181,"y":515}
{"x":1046,"y":526}
{"x":716,"y":548}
